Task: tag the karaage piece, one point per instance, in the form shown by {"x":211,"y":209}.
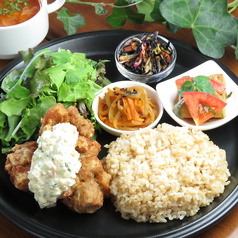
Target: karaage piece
{"x":85,"y":196}
{"x":60,"y":114}
{"x":87,"y":147}
{"x":56,"y":114}
{"x":92,"y":169}
{"x":92,"y":182}
{"x":92,"y":185}
{"x":84,"y":126}
{"x":18,"y":164}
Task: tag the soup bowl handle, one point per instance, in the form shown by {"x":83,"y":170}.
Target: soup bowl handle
{"x":55,"y":5}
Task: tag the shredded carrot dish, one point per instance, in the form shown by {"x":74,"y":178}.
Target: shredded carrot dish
{"x":127,"y":108}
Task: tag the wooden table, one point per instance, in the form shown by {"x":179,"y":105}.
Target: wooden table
{"x":228,"y":227}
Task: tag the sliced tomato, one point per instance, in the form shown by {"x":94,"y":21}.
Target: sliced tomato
{"x":219,"y":88}
{"x":179,"y":82}
{"x":202,"y":106}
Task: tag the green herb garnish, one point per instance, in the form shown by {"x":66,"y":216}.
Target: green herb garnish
{"x":199,"y":83}
{"x":13,"y":6}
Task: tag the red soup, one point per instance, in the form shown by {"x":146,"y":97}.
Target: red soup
{"x":13,"y":12}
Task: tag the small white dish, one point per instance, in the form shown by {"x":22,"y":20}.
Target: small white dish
{"x":124,"y":84}
{"x":168,"y":95}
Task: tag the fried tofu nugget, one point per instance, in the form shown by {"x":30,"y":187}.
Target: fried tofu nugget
{"x":18,"y":164}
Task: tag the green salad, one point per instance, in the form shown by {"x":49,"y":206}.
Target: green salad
{"x":46,"y":79}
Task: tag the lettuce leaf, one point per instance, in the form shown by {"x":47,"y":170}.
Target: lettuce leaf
{"x":47,"y":78}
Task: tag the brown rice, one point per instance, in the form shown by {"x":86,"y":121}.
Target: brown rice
{"x":165,"y":173}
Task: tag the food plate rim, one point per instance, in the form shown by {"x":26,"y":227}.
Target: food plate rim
{"x":193,"y":228}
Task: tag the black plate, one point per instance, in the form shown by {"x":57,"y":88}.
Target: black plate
{"x":21,"y":209}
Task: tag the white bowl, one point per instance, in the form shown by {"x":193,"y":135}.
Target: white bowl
{"x":168,"y":94}
{"x":123,"y":84}
{"x":27,"y":34}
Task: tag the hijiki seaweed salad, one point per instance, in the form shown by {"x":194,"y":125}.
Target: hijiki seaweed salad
{"x":145,"y":54}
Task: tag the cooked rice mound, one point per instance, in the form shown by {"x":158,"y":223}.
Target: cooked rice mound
{"x":165,"y":173}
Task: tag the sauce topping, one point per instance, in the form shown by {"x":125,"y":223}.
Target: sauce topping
{"x":13,"y":12}
{"x":55,"y":164}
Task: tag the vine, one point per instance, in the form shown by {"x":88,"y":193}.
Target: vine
{"x":211,"y":35}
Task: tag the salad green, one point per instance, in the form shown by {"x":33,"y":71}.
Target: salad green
{"x":47,"y":78}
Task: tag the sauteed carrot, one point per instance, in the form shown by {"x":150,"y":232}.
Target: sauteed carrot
{"x":127,"y":108}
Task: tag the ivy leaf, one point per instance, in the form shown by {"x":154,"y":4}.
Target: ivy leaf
{"x":120,"y":15}
{"x":117,"y":18}
{"x":133,"y":17}
{"x":155,"y":14}
{"x":146,"y":7}
{"x":236,"y":50}
{"x":71,"y":22}
{"x":99,"y":10}
{"x":212,"y":26}
{"x":171,"y":27}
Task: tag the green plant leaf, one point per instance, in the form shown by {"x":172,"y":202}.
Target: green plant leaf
{"x":99,"y":10}
{"x":18,"y":91}
{"x":12,"y":106}
{"x":23,"y":103}
{"x":117,"y":18}
{"x":171,"y":27}
{"x":157,"y":16}
{"x":212,"y":26}
{"x":155,"y":13}
{"x":26,"y":55}
{"x":236,"y":49}
{"x":29,"y":70}
{"x":133,"y":17}
{"x":146,"y":7}
{"x":10,"y":80}
{"x":120,"y":15}
{"x":71,"y":22}
{"x":31,"y":117}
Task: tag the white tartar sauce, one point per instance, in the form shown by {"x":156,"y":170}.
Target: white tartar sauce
{"x":54,"y":164}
